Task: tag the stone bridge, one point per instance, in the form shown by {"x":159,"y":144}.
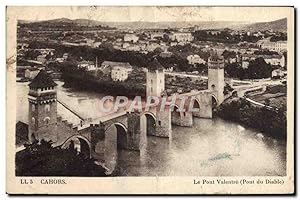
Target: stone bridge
{"x":126,"y":129}
{"x":102,"y":137}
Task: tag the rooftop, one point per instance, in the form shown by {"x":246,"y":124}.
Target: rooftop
{"x":119,"y":64}
{"x":155,"y":65}
{"x":42,"y":80}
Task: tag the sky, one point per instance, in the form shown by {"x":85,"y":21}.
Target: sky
{"x":152,"y":14}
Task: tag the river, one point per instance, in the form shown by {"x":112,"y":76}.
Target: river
{"x":212,"y":147}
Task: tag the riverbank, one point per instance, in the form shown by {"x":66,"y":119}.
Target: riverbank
{"x":272,"y":122}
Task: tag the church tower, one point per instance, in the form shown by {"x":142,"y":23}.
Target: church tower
{"x":155,"y":83}
{"x":216,"y":78}
{"x":42,"y":108}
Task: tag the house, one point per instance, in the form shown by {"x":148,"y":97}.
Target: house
{"x":131,"y":38}
{"x":87,"y":65}
{"x":274,"y":59}
{"x":22,"y":46}
{"x":181,"y":37}
{"x":195,"y":59}
{"x":277,"y":73}
{"x":278,"y":46}
{"x":156,"y":34}
{"x":41,"y":58}
{"x":106,"y":66}
{"x":96,"y":44}
{"x":120,"y":72}
{"x":270,"y":59}
{"x":31,"y":73}
{"x":152,"y":46}
{"x":165,"y":54}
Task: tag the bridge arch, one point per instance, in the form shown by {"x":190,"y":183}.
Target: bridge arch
{"x":175,"y":115}
{"x":196,"y":103}
{"x":214,"y":101}
{"x":85,"y":145}
{"x":150,"y":123}
{"x":121,"y":134}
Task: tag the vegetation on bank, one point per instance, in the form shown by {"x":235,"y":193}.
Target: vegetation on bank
{"x":41,"y":159}
{"x":272,"y":122}
{"x":81,"y":79}
{"x":257,"y":69}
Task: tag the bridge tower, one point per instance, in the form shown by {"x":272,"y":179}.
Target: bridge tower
{"x":155,"y":86}
{"x":42,"y":120}
{"x":216,"y":81}
{"x":155,"y":79}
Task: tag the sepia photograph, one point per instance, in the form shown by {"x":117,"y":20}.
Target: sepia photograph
{"x":200,"y":93}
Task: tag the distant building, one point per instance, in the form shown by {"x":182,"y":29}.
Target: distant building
{"x":274,"y":59}
{"x":31,"y":73}
{"x":165,"y":54}
{"x":278,"y":46}
{"x":22,"y":46}
{"x":87,"y":65}
{"x":277,"y":73}
{"x":106,"y":66}
{"x":131,"y":38}
{"x":152,"y":46}
{"x":181,"y":37}
{"x":195,"y":59}
{"x":41,"y":58}
{"x":156,"y":34}
{"x":96,"y":44}
{"x":213,"y":32}
{"x":270,"y":59}
{"x":120,"y":72}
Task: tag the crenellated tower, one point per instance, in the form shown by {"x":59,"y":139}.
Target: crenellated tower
{"x":216,"y":81}
{"x":155,"y":79}
{"x":42,"y":108}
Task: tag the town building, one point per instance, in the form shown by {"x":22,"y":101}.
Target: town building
{"x":106,"y":66}
{"x":41,"y":58}
{"x":156,"y":34}
{"x":274,"y":60}
{"x":31,"y":73}
{"x":278,"y":46}
{"x":87,"y":65}
{"x":165,"y":54}
{"x":22,"y":45}
{"x":131,"y":38}
{"x":277,"y":73}
{"x":270,"y":59}
{"x":181,"y":37}
{"x":195,"y":59}
{"x":120,"y":72}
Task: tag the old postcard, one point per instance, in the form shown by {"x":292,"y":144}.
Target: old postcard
{"x":150,"y":100}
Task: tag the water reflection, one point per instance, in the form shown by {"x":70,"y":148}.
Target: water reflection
{"x":209,"y":148}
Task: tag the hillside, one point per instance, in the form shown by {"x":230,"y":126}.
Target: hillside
{"x":278,"y":25}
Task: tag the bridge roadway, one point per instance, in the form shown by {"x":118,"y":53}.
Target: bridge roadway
{"x":87,"y":121}
{"x":71,"y":110}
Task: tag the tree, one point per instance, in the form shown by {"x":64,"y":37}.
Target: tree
{"x":41,"y":159}
{"x":258,"y":69}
